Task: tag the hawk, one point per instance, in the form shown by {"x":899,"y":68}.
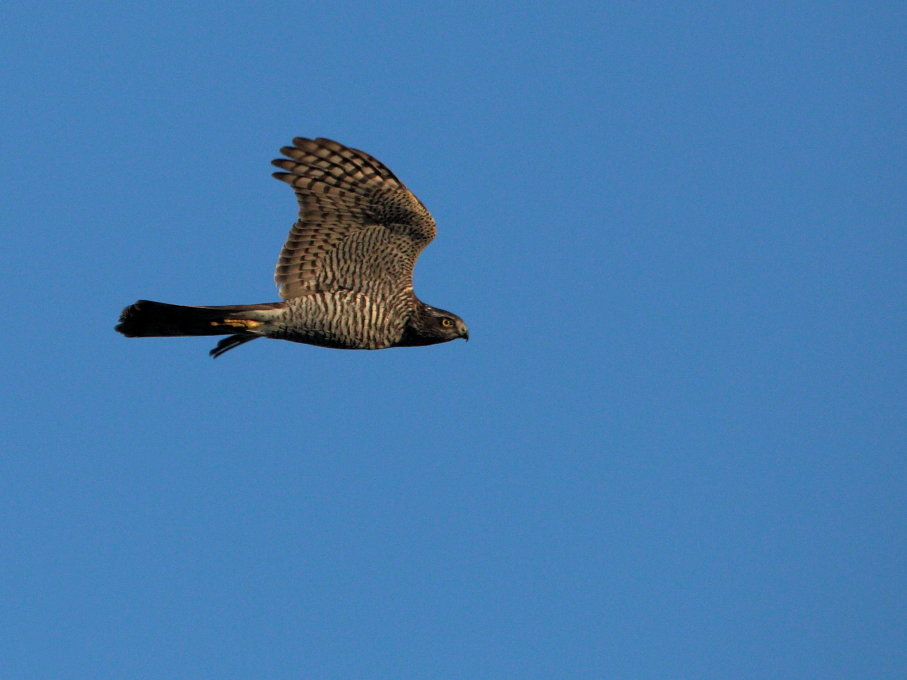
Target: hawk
{"x":345,"y":272}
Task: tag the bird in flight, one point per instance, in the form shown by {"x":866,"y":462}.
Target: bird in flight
{"x":345,"y":273}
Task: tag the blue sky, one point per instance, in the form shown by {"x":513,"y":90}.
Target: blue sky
{"x":673,"y":448}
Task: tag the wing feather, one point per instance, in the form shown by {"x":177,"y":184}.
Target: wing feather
{"x":359,"y":227}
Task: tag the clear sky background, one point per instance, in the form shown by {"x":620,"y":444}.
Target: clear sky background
{"x":673,"y":448}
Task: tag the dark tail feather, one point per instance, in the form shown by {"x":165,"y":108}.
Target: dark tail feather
{"x":146,"y":319}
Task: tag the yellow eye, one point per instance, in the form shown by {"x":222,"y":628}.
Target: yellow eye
{"x":447,"y":323}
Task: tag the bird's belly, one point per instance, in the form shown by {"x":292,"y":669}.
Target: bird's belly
{"x":340,"y":319}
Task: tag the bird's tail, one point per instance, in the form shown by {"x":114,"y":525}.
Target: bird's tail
{"x":146,"y":319}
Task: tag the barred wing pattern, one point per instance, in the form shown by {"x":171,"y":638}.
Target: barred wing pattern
{"x":359,"y":229}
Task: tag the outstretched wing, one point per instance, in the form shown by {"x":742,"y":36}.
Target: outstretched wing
{"x":359,"y":227}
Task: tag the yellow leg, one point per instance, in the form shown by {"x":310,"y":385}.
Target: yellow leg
{"x":237,"y":323}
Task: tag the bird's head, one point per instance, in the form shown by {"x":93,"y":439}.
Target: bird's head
{"x":447,"y":325}
{"x":430,"y":325}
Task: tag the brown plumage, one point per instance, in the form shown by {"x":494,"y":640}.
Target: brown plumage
{"x":344,"y":273}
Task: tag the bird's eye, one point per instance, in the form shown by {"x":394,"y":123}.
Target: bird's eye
{"x":446,"y":323}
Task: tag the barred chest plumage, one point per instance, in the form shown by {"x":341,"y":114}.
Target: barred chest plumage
{"x":344,"y":319}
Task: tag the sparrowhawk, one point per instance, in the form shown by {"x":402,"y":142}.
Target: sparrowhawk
{"x":345,"y":272}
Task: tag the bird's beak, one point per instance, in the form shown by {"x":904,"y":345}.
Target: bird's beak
{"x":464,"y":333}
